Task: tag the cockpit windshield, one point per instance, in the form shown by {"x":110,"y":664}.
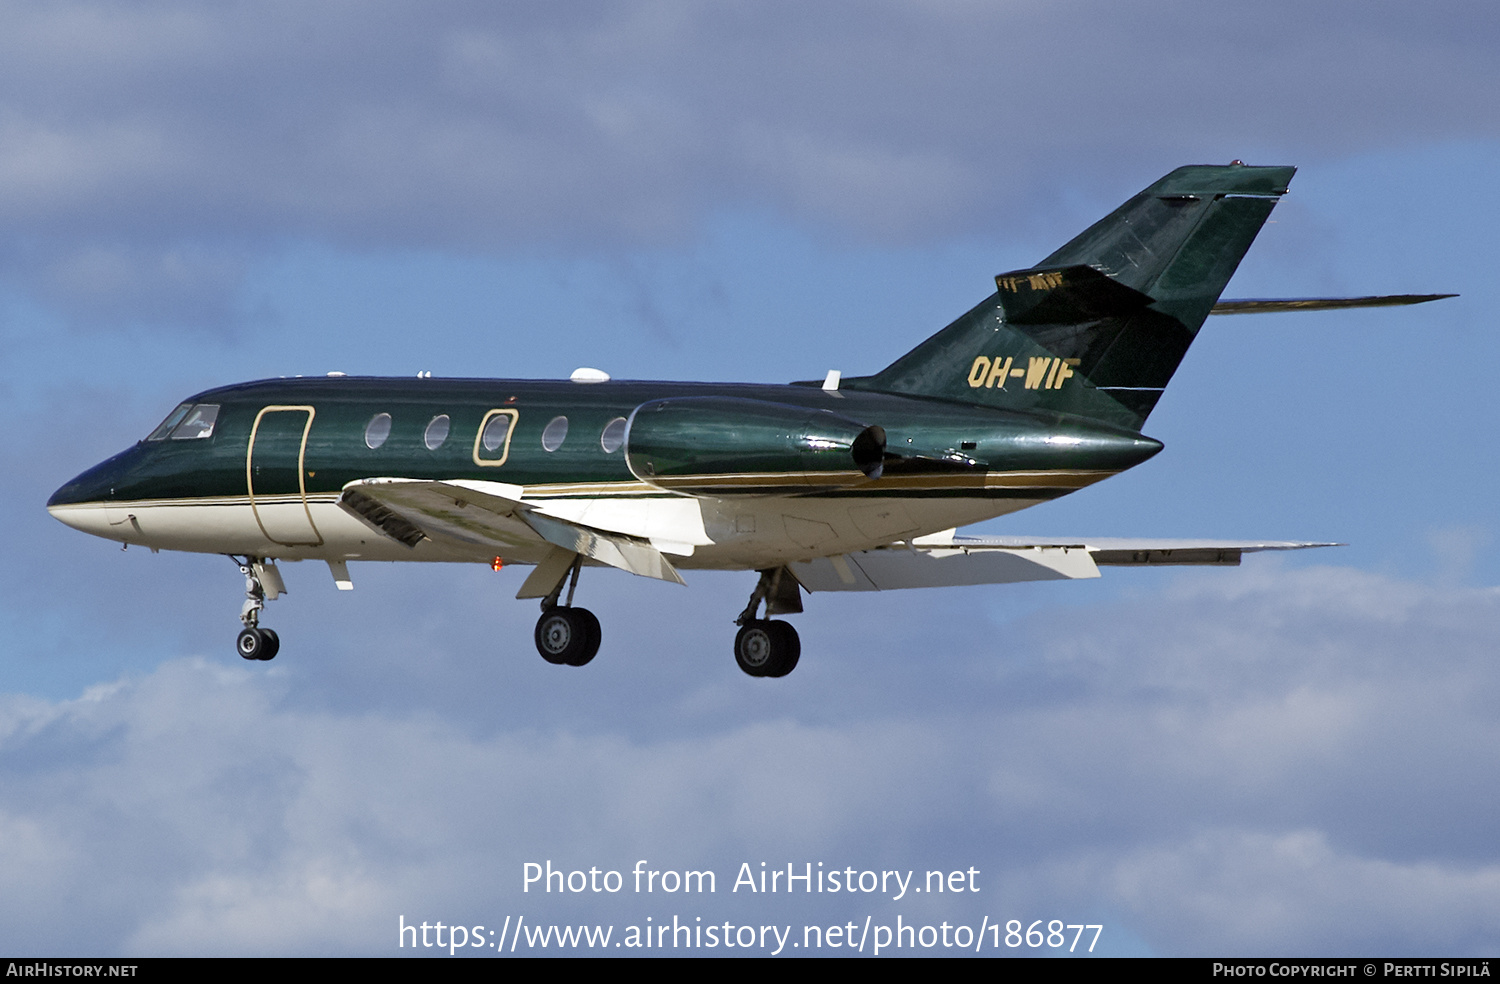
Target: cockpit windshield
{"x":188,"y":422}
{"x":173,"y":419}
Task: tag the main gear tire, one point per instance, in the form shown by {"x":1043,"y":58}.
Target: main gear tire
{"x":567,"y":636}
{"x":766,"y":648}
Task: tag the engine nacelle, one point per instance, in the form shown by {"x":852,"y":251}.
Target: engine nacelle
{"x":718,"y":446}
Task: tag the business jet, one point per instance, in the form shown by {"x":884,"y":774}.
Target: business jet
{"x":839,"y":484}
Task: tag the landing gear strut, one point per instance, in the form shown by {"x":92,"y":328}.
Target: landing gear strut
{"x":767,"y":647}
{"x":567,"y":636}
{"x":255,"y":642}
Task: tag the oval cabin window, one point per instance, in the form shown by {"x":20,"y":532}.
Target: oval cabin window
{"x":436,"y":432}
{"x":554,"y":433}
{"x":495,"y":431}
{"x":613,"y":436}
{"x":377,"y":430}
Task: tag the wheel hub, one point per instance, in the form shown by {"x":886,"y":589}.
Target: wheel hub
{"x":556,"y":634}
{"x":756,"y":647}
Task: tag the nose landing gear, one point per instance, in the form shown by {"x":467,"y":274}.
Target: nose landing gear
{"x":253,"y":641}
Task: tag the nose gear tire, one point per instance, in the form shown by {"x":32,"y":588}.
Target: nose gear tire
{"x":255,"y":643}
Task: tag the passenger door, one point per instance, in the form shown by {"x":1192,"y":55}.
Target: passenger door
{"x":276,"y":476}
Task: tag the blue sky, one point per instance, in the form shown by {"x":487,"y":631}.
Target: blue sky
{"x":1291,"y":757}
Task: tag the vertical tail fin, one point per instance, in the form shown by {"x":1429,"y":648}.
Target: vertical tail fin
{"x":1098,"y":327}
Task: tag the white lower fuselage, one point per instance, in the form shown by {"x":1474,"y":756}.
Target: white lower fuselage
{"x":698,"y":533}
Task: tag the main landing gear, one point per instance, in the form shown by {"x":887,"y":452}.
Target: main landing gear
{"x":764,"y":647}
{"x":767,"y":647}
{"x":565,"y":635}
{"x":255,"y":642}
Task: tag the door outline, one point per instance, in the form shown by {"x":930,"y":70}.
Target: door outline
{"x":301,"y":474}
{"x":515,"y":416}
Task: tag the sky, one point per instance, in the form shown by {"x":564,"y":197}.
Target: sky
{"x":1295,"y":757}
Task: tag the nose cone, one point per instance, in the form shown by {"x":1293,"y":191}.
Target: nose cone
{"x":84,"y":502}
{"x":76,"y":492}
{"x":95,"y":485}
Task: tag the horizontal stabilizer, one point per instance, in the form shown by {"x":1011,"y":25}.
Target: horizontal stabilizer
{"x":491,"y":515}
{"x":1273,"y":305}
{"x":946,"y":560}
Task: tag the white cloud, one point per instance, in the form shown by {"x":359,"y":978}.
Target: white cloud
{"x":1270,"y":760}
{"x":1237,"y":891}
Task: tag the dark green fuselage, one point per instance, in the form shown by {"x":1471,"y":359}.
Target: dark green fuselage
{"x":946,"y":463}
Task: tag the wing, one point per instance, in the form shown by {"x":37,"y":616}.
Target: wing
{"x":947,"y":560}
{"x":491,"y":515}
